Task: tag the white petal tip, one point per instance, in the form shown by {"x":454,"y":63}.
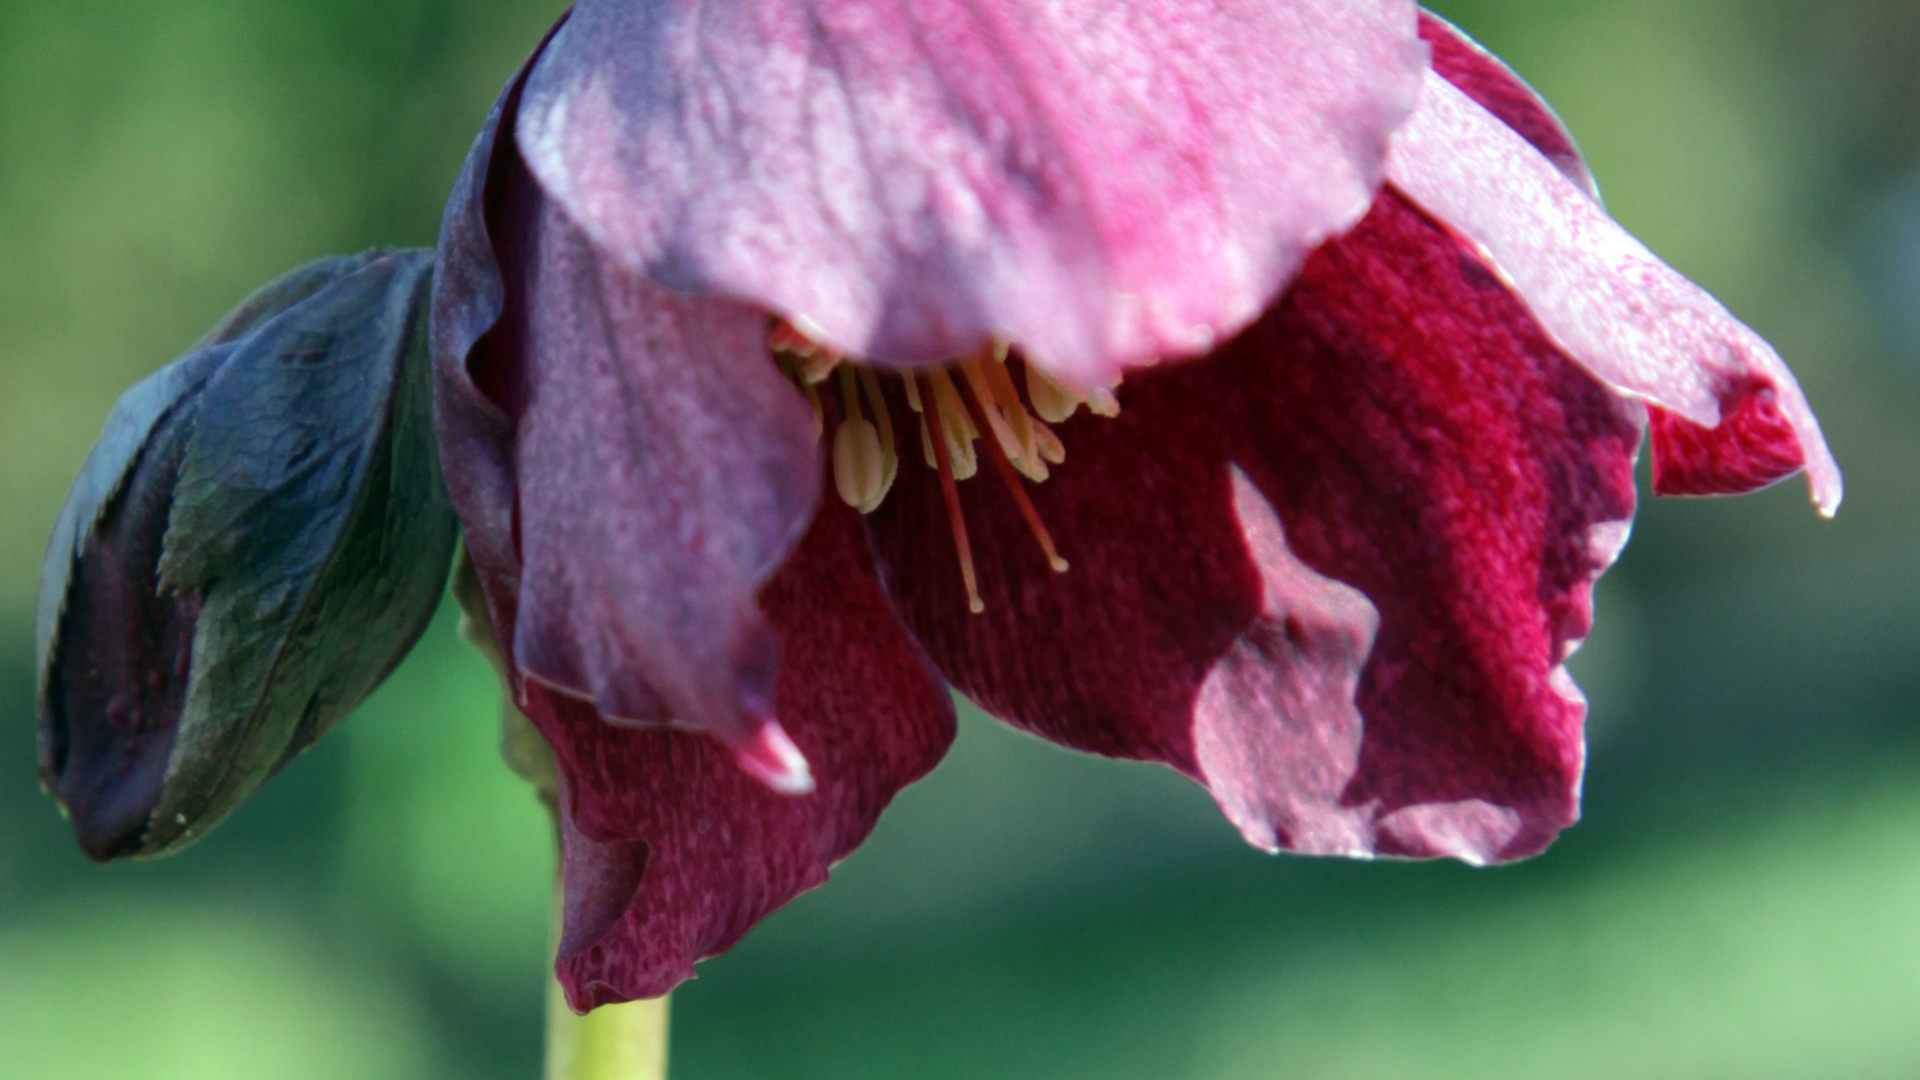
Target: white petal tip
{"x":770,"y":757}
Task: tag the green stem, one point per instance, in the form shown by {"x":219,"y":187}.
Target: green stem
{"x":613,"y":1042}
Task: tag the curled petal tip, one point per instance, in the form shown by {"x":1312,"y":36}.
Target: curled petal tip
{"x":770,"y":757}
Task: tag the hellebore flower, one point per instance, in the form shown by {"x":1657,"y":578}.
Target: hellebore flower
{"x":731,"y":300}
{"x":259,"y":536}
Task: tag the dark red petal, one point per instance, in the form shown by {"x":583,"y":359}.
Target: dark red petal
{"x":1396,"y":440}
{"x":1486,"y":79}
{"x":1754,"y":445}
{"x":1631,"y":320}
{"x":672,"y":853}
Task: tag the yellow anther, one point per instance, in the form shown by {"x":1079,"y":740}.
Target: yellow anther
{"x":882,"y":416}
{"x":1055,"y":403}
{"x":1005,"y":431}
{"x":1052,"y":401}
{"x":1008,"y":399}
{"x":859,"y":458}
{"x":981,"y":404}
{"x":1019,"y":494}
{"x":958,"y":426}
{"x":858,"y":470}
{"x":1051,"y":448}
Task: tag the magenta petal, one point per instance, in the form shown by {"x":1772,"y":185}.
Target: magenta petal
{"x":672,"y":852}
{"x":1331,"y":571}
{"x":1627,"y":317}
{"x":1486,"y":79}
{"x":1103,"y":183}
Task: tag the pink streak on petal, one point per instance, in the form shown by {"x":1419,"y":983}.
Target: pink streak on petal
{"x":770,"y":757}
{"x":1276,"y":729}
{"x":1627,"y":317}
{"x":1105,"y":183}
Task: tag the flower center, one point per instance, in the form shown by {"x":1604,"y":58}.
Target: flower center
{"x":973,"y":399}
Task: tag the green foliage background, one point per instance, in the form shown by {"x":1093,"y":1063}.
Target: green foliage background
{"x":1742,"y":902}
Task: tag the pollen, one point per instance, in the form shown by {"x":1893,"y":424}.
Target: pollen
{"x":962,"y":409}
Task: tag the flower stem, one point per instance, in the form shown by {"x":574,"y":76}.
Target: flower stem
{"x":613,"y":1042}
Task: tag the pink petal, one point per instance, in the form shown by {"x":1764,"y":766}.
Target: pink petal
{"x":1483,"y":77}
{"x":672,"y":853}
{"x":629,"y":464}
{"x":1103,"y":183}
{"x":1627,"y":317}
{"x":1331,"y":571}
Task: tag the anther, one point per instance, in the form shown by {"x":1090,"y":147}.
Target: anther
{"x":959,"y":425}
{"x":882,"y":416}
{"x":813,"y":362}
{"x":961,"y":548}
{"x":859,"y":465}
{"x":1055,"y":403}
{"x":1029,"y":429}
{"x":1019,"y":492}
{"x":980,"y":401}
{"x":1052,"y":401}
{"x":1018,"y":432}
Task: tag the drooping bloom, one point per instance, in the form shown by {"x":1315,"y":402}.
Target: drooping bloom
{"x":1301,"y":370}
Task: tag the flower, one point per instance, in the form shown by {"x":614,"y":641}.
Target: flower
{"x":1327,"y":558}
{"x":259,"y":536}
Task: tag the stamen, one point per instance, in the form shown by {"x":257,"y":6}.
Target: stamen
{"x":961,"y":548}
{"x":813,"y":362}
{"x":783,"y":338}
{"x":1054,"y":403}
{"x":1051,"y":448}
{"x":859,"y":467}
{"x":1019,"y":492}
{"x":960,"y":429}
{"x":1015,"y":410}
{"x":980,"y":397}
{"x":889,"y":460}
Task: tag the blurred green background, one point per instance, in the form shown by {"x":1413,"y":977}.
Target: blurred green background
{"x":1743,"y":900}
